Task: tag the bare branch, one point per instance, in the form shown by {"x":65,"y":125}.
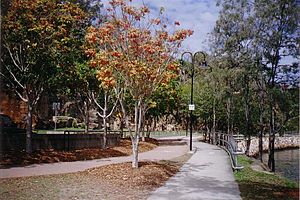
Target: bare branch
{"x":21,"y":97}
{"x":98,"y":113}
{"x":115,"y":104}
{"x":12,"y":57}
{"x":14,"y":78}
{"x":38,"y":96}
{"x":95,"y":101}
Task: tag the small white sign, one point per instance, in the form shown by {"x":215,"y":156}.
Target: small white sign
{"x":191,"y":106}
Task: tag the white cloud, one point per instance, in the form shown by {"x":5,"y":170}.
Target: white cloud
{"x":198,"y":15}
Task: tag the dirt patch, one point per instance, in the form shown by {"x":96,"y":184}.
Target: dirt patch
{"x":52,"y":156}
{"x":113,"y":182}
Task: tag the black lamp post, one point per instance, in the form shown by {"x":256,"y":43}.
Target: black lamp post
{"x":192,"y":106}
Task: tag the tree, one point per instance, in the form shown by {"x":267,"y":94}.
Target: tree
{"x":110,"y":95}
{"x":233,"y":41}
{"x":164,"y":102}
{"x":255,"y":36}
{"x":278,"y":23}
{"x":137,"y":49}
{"x":35,"y":36}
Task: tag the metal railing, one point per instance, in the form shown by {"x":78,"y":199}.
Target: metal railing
{"x":228,"y":142}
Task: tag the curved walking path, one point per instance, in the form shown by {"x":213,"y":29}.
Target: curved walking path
{"x":206,"y":175}
{"x":159,"y":153}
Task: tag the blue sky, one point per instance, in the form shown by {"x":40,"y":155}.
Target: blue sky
{"x":198,"y":15}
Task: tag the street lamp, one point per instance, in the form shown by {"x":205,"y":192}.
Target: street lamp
{"x":191,"y":105}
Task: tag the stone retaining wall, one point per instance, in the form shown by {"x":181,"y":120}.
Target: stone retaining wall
{"x":280,"y":143}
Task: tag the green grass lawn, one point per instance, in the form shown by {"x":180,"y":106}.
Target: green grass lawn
{"x":261,"y":185}
{"x":38,"y":131}
{"x":159,"y":134}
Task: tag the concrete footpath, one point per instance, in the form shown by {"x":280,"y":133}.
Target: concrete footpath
{"x":206,"y":175}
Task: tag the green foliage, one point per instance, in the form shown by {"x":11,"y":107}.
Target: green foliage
{"x":39,"y":39}
{"x":164,"y":99}
{"x":247,"y":40}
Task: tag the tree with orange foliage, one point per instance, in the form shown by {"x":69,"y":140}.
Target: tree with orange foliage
{"x":133,"y":49}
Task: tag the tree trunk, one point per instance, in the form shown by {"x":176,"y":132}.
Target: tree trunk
{"x":29,"y":129}
{"x":214,"y":122}
{"x":207,"y":132}
{"x":247,"y":115}
{"x":86,"y":121}
{"x":104,"y":133}
{"x":143,"y":133}
{"x":143,"y":122}
{"x":154,"y":124}
{"x":104,"y":122}
{"x":228,"y":110}
{"x":261,"y":120}
{"x":148,"y":130}
{"x":187,"y":126}
{"x":135,"y":138}
{"x":271,"y":160}
{"x":122,"y":127}
{"x":125,"y":117}
{"x":135,"y":142}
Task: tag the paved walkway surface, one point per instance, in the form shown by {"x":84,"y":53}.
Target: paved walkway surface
{"x":159,"y":153}
{"x":207,"y":175}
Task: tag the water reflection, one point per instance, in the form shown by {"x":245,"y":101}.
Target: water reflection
{"x":286,"y":163}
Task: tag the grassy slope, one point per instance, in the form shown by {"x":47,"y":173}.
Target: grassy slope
{"x":260,"y":185}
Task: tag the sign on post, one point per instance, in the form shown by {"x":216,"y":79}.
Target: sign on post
{"x":191,"y":106}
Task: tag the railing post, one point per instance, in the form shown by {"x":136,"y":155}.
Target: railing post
{"x":221,"y":139}
{"x":235,"y":159}
{"x":68,"y":140}
{"x":64,"y":140}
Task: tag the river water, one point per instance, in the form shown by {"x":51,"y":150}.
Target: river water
{"x":286,"y":163}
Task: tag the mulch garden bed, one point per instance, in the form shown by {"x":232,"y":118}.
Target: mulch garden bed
{"x":113,"y":182}
{"x":52,"y":156}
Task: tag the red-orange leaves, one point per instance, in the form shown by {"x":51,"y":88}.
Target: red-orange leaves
{"x":90,"y":52}
{"x":172,"y":67}
{"x":133,"y":33}
{"x":163,"y":35}
{"x":135,"y":47}
{"x":156,"y":21}
{"x":106,"y":78}
{"x":180,"y":35}
{"x":93,"y":63}
{"x":145,"y":10}
{"x":116,"y":54}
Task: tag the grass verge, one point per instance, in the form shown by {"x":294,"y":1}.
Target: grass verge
{"x":260,"y":185}
{"x":44,"y":131}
